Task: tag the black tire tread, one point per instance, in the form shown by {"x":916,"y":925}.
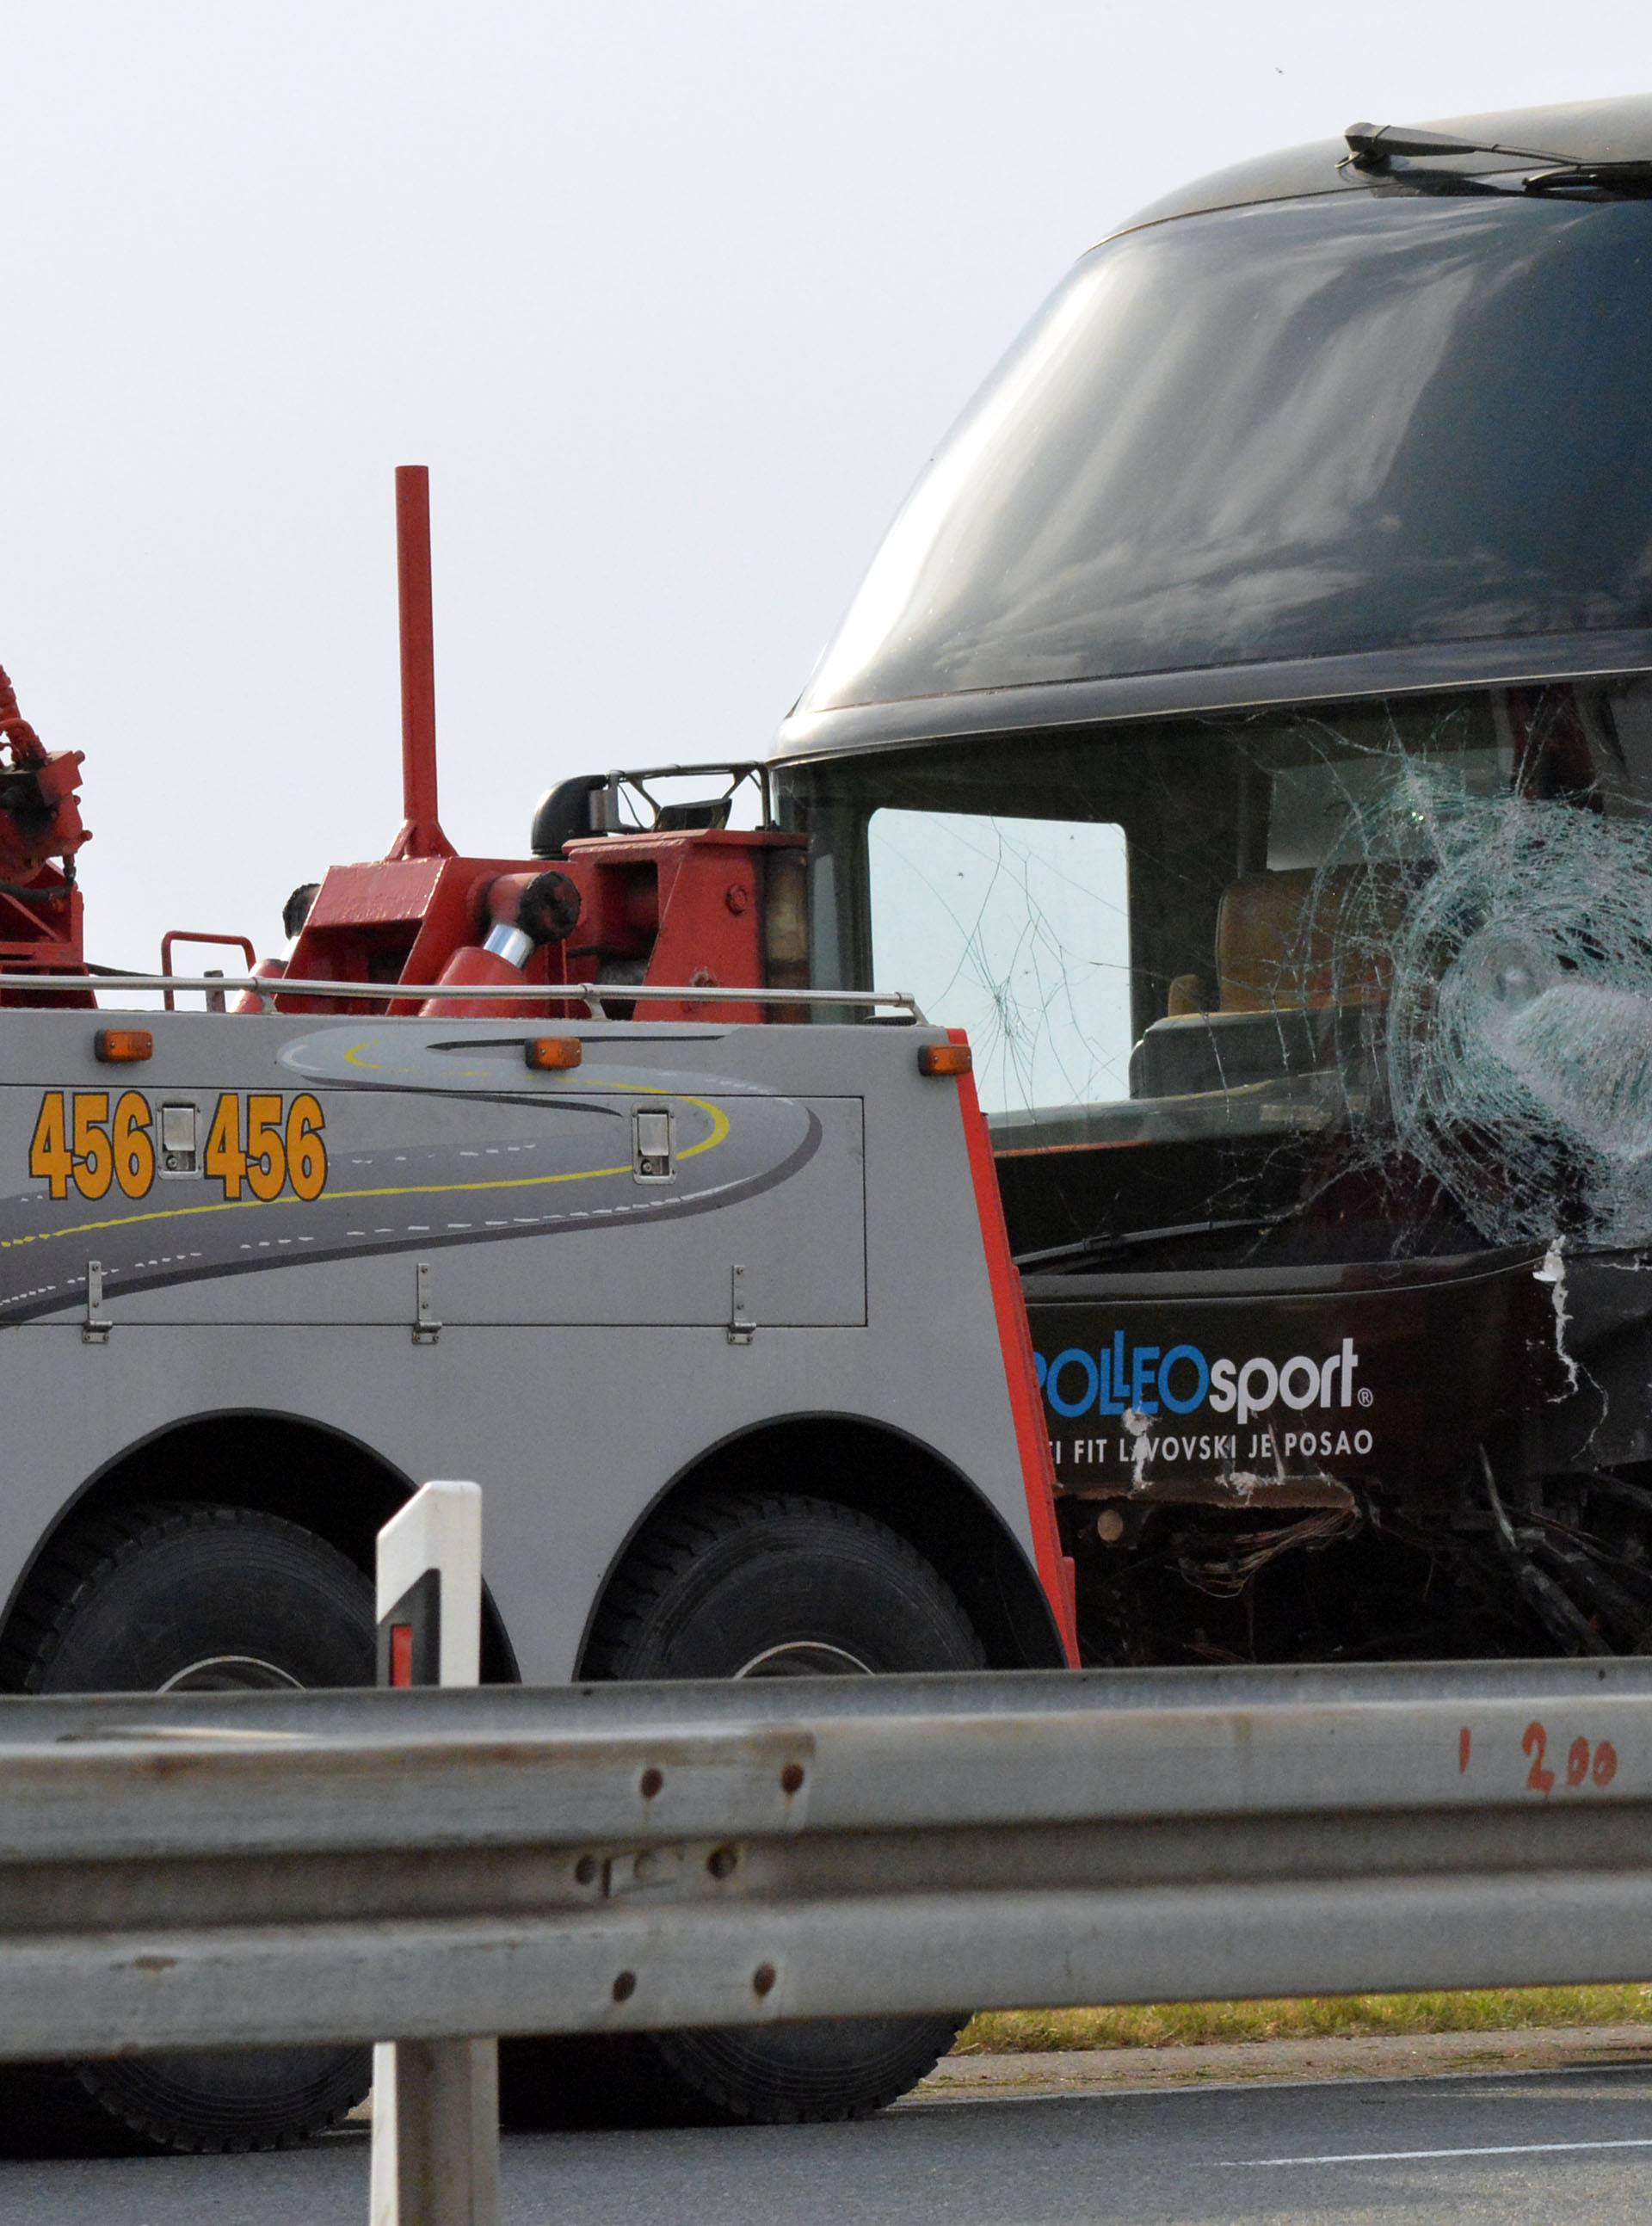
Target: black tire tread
{"x":733,"y":2106}
{"x":654,"y":1565}
{"x":673,"y":1541}
{"x":89,"y":1552}
{"x":68,"y":2103}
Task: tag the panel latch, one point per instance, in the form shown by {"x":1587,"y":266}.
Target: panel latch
{"x":180,"y":1140}
{"x":652,"y":1160}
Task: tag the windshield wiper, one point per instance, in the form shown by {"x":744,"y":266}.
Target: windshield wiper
{"x":1373,"y":146}
{"x":1596,"y":182}
{"x":1101,"y":1243}
{"x":1373,"y":149}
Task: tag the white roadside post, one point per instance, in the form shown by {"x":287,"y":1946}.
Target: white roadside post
{"x":435,"y":2146}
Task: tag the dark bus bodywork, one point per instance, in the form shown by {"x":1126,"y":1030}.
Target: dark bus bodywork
{"x":1245,"y":731}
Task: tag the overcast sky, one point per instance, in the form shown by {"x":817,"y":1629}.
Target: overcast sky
{"x":674,"y":301}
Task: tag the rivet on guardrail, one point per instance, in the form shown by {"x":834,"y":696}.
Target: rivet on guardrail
{"x":651,"y":1782}
{"x":625,"y":1986}
{"x":763,"y":1978}
{"x":721,"y":1862}
{"x":585,"y":1870}
{"x":792,"y":1777}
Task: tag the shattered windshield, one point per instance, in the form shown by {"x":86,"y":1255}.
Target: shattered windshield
{"x":1336,"y":982}
{"x":1309,"y":428}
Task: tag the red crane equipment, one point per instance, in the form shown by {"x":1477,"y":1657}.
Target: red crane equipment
{"x":686,"y":900}
{"x":702,"y":905}
{"x":41,"y":926}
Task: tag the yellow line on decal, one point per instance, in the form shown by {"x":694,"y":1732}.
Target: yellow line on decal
{"x":626,"y":1089}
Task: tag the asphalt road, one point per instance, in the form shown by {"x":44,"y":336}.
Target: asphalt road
{"x":1510,"y":2149}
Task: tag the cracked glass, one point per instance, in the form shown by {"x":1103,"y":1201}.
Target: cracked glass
{"x":1351,"y":983}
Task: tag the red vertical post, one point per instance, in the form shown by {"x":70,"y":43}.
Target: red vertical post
{"x":420,"y":836}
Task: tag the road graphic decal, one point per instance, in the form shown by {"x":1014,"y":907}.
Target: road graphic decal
{"x":566,"y":1163}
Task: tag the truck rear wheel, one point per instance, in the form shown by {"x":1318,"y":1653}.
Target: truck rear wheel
{"x":191,"y":1599}
{"x":770,"y":1586}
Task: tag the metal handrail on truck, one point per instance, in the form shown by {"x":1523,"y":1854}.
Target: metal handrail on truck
{"x":272,"y":986}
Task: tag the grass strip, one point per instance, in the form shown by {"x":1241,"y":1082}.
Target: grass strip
{"x":1338,"y":2017}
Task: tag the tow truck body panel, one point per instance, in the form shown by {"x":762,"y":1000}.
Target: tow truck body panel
{"x":488,"y":1282}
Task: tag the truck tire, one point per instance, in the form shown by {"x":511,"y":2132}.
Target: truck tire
{"x":761,"y":1585}
{"x":202,"y":1599}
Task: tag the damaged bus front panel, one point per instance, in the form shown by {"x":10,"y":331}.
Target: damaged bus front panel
{"x":1246,"y":733}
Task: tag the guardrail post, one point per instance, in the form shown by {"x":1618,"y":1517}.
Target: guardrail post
{"x":436,"y":2150}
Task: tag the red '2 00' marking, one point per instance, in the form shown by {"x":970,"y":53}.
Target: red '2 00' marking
{"x":1533,"y":1744}
{"x":1598,"y":1764}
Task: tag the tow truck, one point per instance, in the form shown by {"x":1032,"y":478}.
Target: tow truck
{"x":490,"y":1174}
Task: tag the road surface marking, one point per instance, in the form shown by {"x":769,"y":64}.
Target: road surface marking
{"x":1422,"y":2156}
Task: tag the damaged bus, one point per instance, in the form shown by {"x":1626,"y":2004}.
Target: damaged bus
{"x":1245,"y":732}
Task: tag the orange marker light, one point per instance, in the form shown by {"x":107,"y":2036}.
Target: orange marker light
{"x":548,"y":1053}
{"x":944,"y":1059}
{"x":121,"y":1046}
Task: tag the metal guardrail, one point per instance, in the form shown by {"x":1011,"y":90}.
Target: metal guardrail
{"x":268,"y":987}
{"x":268,"y":1867}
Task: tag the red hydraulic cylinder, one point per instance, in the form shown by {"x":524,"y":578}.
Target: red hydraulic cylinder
{"x":524,"y":911}
{"x":479,"y":963}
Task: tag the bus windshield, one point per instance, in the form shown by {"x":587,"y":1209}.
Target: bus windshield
{"x":1408,"y":924}
{"x":1324,"y":427}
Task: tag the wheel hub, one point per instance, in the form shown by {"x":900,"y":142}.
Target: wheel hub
{"x":231,"y":1673}
{"x":805,"y":1657}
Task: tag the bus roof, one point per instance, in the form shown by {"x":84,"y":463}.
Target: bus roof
{"x":1309,"y":430}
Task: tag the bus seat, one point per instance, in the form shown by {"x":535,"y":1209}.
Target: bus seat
{"x":1300,"y":938}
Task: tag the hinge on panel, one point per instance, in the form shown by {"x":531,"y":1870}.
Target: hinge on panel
{"x":95,"y":1329}
{"x":427,"y":1327}
{"x":742,"y":1328}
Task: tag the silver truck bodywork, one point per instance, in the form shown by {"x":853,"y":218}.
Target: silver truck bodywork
{"x":497,"y":1280}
